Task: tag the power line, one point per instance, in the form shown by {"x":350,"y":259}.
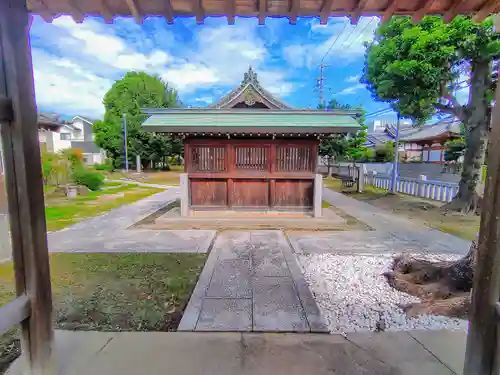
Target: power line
{"x":361,"y":33}
{"x":335,"y":41}
{"x":379,"y":112}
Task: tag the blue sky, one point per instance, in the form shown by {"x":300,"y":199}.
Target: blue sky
{"x":75,"y":64}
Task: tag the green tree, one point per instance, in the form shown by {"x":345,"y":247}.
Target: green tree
{"x":417,"y":68}
{"x":342,"y":146}
{"x":128,"y":95}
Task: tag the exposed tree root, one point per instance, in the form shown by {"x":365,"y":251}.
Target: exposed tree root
{"x":443,"y":287}
{"x":469,"y":205}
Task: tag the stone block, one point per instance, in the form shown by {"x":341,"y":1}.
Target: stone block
{"x":225,"y":314}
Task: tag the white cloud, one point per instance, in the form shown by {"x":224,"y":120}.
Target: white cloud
{"x":353,"y":79}
{"x":204,"y":99}
{"x":346,"y":43}
{"x":63,"y":86}
{"x":93,"y":40}
{"x":85,"y":59}
{"x":351,"y":89}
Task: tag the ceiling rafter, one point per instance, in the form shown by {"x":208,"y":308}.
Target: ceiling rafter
{"x":453,"y":10}
{"x":294,"y":10}
{"x":423,"y":9}
{"x":135,"y":10}
{"x":488,"y":7}
{"x":326,"y":8}
{"x":262,"y":11}
{"x":169,"y":12}
{"x":389,"y":11}
{"x":45,"y":12}
{"x":231,"y":10}
{"x":76,"y":13}
{"x":356,"y":13}
{"x":199,"y":12}
{"x":106,"y":12}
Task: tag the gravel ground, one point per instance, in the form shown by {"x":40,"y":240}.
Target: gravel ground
{"x":353,"y":295}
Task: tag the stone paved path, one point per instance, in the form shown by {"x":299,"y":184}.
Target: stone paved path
{"x":109,"y":232}
{"x":390,"y":233}
{"x":252,"y":282}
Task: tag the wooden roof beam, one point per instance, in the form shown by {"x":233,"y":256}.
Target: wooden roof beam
{"x":231,"y":10}
{"x":135,"y":10}
{"x":199,"y":12}
{"x":389,"y":11}
{"x":356,"y":14}
{"x":169,"y":12}
{"x":488,"y":7}
{"x":294,"y":10}
{"x":325,"y":11}
{"x":422,"y":10}
{"x":453,"y":10}
{"x":77,"y":15}
{"x":45,"y":13}
{"x":106,"y":12}
{"x":262,"y":11}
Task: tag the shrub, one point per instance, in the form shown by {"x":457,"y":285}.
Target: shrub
{"x":106,"y":166}
{"x":74,"y":157}
{"x":88,"y":178}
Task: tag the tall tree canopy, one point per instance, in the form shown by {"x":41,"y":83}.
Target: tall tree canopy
{"x":134,"y":91}
{"x":417,"y":69}
{"x":341,"y":146}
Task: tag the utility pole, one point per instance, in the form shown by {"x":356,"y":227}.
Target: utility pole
{"x":125,"y":140}
{"x":395,"y":164}
{"x":320,"y":84}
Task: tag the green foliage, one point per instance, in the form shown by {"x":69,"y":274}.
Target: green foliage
{"x":86,"y":177}
{"x":342,"y":146}
{"x":385,"y":153}
{"x":454,"y":149}
{"x":134,"y":91}
{"x":106,"y":166}
{"x":415,"y":67}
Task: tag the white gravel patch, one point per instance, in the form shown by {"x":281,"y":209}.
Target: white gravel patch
{"x":353,"y":295}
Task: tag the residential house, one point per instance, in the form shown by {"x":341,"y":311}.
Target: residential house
{"x":76,"y":133}
{"x":424,"y":143}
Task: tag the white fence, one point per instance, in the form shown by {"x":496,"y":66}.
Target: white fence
{"x":435,"y":190}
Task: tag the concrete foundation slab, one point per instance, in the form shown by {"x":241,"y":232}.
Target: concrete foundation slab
{"x":208,"y":353}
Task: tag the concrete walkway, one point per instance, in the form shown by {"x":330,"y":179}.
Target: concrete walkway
{"x":390,"y":233}
{"x":252,"y":282}
{"x":111,"y":232}
{"x":192,"y":353}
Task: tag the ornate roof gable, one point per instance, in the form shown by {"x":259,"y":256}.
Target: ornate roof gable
{"x":250,"y":92}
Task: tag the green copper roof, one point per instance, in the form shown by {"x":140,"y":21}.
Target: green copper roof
{"x":244,"y":121}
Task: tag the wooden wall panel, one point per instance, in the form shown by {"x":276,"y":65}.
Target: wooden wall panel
{"x":208,"y":192}
{"x":293,"y":193}
{"x":250,"y":193}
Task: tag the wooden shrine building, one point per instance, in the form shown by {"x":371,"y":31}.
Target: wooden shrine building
{"x":249,"y":150}
{"x":32,"y":308}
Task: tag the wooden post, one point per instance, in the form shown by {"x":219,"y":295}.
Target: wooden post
{"x":24,"y":185}
{"x":482,"y":338}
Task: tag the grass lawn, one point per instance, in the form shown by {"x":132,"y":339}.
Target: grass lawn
{"x":426,"y":212}
{"x":111,"y":292}
{"x":62,"y":212}
{"x":170,"y":178}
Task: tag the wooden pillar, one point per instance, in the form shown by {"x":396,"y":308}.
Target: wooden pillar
{"x":482,"y":338}
{"x":24,"y":184}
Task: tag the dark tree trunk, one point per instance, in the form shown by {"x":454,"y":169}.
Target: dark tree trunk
{"x":330,"y":169}
{"x":476,"y":121}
